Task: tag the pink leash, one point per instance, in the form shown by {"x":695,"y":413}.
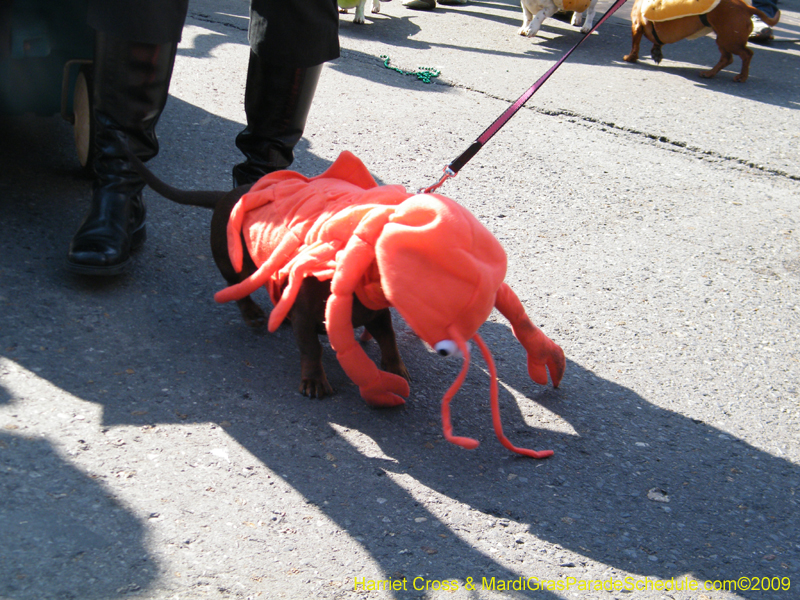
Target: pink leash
{"x":454,"y":167}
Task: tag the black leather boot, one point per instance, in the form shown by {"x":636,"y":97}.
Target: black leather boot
{"x":131,"y":83}
{"x":277,"y":100}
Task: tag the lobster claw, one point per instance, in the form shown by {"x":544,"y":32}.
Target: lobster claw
{"x":544,"y":355}
{"x":386,"y":391}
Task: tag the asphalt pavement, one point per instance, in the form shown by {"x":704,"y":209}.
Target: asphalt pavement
{"x":153,"y":446}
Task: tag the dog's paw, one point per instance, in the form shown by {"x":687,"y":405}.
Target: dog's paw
{"x":577,"y":20}
{"x":251,"y":312}
{"x":529,"y":31}
{"x":398,"y":368}
{"x":316,"y":387}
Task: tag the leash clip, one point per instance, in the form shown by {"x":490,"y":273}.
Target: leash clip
{"x":448,"y":173}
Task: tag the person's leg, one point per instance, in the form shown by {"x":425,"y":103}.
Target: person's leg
{"x":277,"y":101}
{"x":762,"y":32}
{"x":289,"y":41}
{"x":769,"y":7}
{"x":130,"y":88}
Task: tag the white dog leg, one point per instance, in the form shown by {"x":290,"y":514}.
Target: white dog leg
{"x":585,"y":18}
{"x":527,"y":17}
{"x":376,"y":6}
{"x":536,"y":22}
{"x":359,"y":18}
{"x":588,"y":21}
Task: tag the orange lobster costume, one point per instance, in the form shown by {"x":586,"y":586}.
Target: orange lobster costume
{"x":424,"y":255}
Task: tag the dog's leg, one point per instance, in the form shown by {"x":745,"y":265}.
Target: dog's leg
{"x":585,"y":18}
{"x":656,"y":53}
{"x":376,"y":6}
{"x":745,"y":54}
{"x":313,"y":382}
{"x":732,"y":33}
{"x":725,"y":59}
{"x":359,"y":16}
{"x":638,"y":31}
{"x":536,"y":22}
{"x":306,"y":315}
{"x":651,"y":34}
{"x":380,"y":327}
{"x":589,"y":19}
{"x":527,"y":17}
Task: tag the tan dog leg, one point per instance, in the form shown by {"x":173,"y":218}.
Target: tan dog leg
{"x":733,"y":25}
{"x":725,"y":59}
{"x":730,"y":20}
{"x":380,"y":327}
{"x":637,"y":31}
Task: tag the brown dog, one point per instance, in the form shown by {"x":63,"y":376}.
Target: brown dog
{"x":730,"y":20}
{"x":308,"y":312}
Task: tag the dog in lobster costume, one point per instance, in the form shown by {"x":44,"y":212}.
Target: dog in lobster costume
{"x":424,"y":255}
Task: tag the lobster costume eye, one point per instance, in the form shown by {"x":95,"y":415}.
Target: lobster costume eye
{"x":446,"y":348}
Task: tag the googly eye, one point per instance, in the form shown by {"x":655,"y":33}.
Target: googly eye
{"x":446,"y":348}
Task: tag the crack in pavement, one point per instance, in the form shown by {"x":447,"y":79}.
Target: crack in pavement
{"x":669,"y":144}
{"x":595,"y":123}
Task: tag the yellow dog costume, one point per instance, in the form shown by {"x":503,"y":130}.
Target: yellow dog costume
{"x":667,"y":10}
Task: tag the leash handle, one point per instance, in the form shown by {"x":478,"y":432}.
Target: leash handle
{"x":454,"y":167}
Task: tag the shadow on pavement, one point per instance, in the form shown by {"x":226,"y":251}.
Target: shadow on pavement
{"x":155,"y":339}
{"x":61,"y":530}
{"x":604,"y":49}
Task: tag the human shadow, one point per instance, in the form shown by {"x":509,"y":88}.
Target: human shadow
{"x":228,"y":27}
{"x":603,"y":49}
{"x":61,"y":532}
{"x":152,"y":347}
{"x":636,"y":487}
{"x":651,"y":491}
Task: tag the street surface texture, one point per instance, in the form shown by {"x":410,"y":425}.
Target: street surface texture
{"x":153,"y":446}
